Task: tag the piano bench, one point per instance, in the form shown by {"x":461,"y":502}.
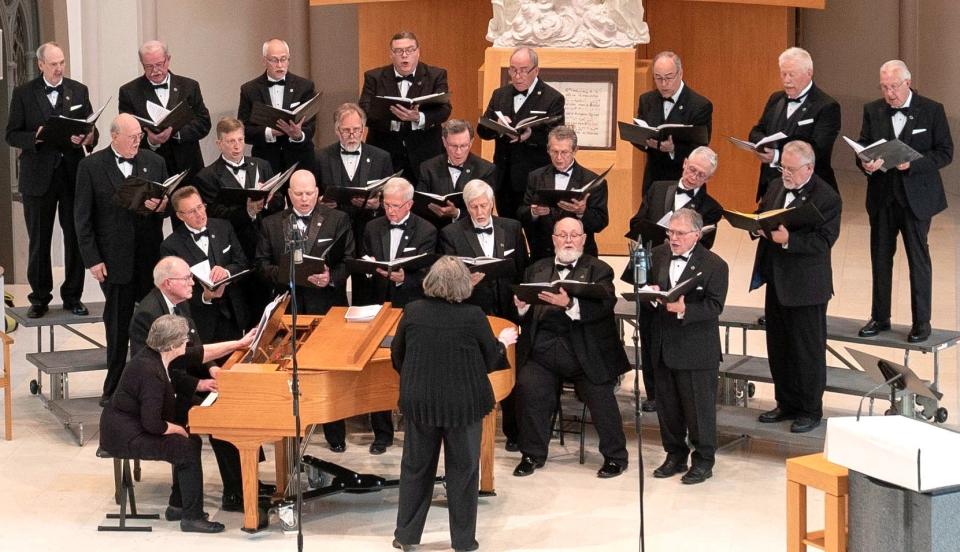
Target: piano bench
{"x":123,"y":491}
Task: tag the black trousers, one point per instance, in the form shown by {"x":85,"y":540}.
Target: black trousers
{"x":508,"y":413}
{"x":418,"y":470}
{"x":686,"y":406}
{"x":228,"y":462}
{"x":184,"y":454}
{"x":382,"y":425}
{"x":508,"y":200}
{"x":117,"y":312}
{"x":797,"y":351}
{"x":38,"y":213}
{"x":885,"y":224}
{"x":538,"y":386}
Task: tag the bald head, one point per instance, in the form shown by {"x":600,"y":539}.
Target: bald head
{"x":51,"y":62}
{"x":155,"y":60}
{"x":276,"y":58}
{"x":125,"y":135}
{"x":303,"y":191}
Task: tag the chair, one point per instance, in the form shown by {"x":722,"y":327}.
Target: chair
{"x":123,"y":491}
{"x":815,"y":471}
{"x":5,"y":384}
{"x":558,"y":422}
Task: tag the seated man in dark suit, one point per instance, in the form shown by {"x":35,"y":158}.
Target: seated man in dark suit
{"x":483,"y":235}
{"x":225,"y":313}
{"x":563,"y":173}
{"x":685,"y":347}
{"x":235,"y":171}
{"x":350,"y":162}
{"x":193,"y":373}
{"x":289,"y":143}
{"x":321,"y":227}
{"x":450,"y":171}
{"x":572,"y":339}
{"x":411,"y":135}
{"x":398,"y":234}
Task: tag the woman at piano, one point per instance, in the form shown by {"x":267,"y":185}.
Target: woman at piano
{"x":136,"y":422}
{"x":443,"y":350}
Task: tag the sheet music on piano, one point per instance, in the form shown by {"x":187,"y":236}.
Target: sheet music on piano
{"x":264,"y":320}
{"x":210,"y":399}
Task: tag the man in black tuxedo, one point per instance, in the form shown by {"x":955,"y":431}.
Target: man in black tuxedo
{"x":802,"y":112}
{"x":321,"y":227}
{"x":224,"y":313}
{"x":525,"y":96}
{"x":450,"y":171}
{"x":180,"y":148}
{"x":191,"y":373}
{"x":118,"y":245}
{"x":685,"y":347}
{"x":48,"y":174}
{"x":574,"y":339}
{"x":563,"y":173}
{"x":399,"y":233}
{"x":483,"y":235}
{"x":665,"y":198}
{"x":903,"y":199}
{"x":795,"y":265}
{"x":411,"y":135}
{"x":233,"y":170}
{"x":676,"y":103}
{"x":350,"y":162}
{"x":289,"y":143}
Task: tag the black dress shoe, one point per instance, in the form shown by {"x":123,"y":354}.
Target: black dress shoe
{"x":804,"y":424}
{"x":776,"y":415}
{"x":670,"y":467}
{"x":527,"y":466}
{"x":36,"y":311}
{"x":377,"y":449}
{"x":697,"y":474}
{"x":610,"y":469}
{"x":200,"y":526}
{"x":265,"y":489}
{"x":338,"y":448}
{"x":512,"y":446}
{"x":104,"y":400}
{"x":649,"y":406}
{"x":404,"y":547}
{"x":919,"y":332}
{"x":470,"y":548}
{"x":174,"y":513}
{"x":77,"y":308}
{"x":232,"y":503}
{"x":873,"y":327}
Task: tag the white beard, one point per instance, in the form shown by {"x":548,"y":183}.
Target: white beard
{"x":569,"y":257}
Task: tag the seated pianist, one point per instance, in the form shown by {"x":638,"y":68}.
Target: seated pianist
{"x":136,"y":423}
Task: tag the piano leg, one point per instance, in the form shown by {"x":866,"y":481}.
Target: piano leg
{"x":281,"y":459}
{"x":486,"y":454}
{"x":249,"y":459}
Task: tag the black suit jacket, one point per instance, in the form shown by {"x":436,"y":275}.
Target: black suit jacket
{"x":29,"y":110}
{"x":919,"y":188}
{"x":224,"y":250}
{"x":283,"y":153}
{"x":111,"y":234}
{"x":325,"y":224}
{"x":493,"y":295}
{"x":182,"y":151}
{"x":374,"y":164}
{"x":659,"y":201}
{"x":515,"y":160}
{"x":539,"y":231}
{"x":595,"y":338}
{"x":693,"y":342}
{"x":186,"y":370}
{"x":816,"y":121}
{"x":801,"y":273}
{"x":435,"y":175}
{"x":690,"y":109}
{"x":407,"y":147}
{"x":419,"y":237}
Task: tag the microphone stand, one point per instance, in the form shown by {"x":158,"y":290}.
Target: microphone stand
{"x":295,"y":249}
{"x":640,"y":264}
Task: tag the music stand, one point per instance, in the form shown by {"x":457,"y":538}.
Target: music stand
{"x":904,"y":383}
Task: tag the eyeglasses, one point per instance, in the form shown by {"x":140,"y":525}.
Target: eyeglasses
{"x":700,"y":175}
{"x":559,"y":153}
{"x":396,"y":206}
{"x":789,"y":170}
{"x":151,"y":67}
{"x":457,"y":147}
{"x":133,"y":137}
{"x":520,"y":71}
{"x":891,"y":87}
{"x":182,"y":278}
{"x":569,"y":237}
{"x":198,"y":209}
{"x":665,"y":78}
{"x":351,"y":131}
{"x":679,"y":233}
{"x":234,"y":142}
{"x":272,"y":60}
{"x":409,"y":50}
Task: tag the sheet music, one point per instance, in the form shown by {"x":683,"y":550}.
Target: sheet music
{"x":264,"y":319}
{"x":156,"y":111}
{"x":589,"y":109}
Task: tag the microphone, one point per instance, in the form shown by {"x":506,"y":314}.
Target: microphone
{"x":295,"y":239}
{"x":641,"y":263}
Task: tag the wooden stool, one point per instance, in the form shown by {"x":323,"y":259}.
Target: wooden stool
{"x":814,"y":471}
{"x":5,"y":384}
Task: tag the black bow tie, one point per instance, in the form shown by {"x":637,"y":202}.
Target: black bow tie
{"x":125,"y":160}
{"x":281,"y":82}
{"x":683,"y":258}
{"x":558,"y":172}
{"x":401,"y":226}
{"x":521,"y":93}
{"x":894,"y":110}
{"x":201,"y":234}
{"x":236,"y":168}
{"x":487,"y":230}
{"x":163,"y":85}
{"x":408,"y":78}
{"x":348,"y":152}
{"x":562,"y":267}
{"x":668,"y":99}
{"x":798,"y":99}
{"x":51,"y":89}
{"x":305,"y":219}
{"x":452,"y":166}
{"x":689,"y":193}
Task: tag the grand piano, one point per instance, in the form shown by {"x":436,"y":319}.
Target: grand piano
{"x":345,"y":370}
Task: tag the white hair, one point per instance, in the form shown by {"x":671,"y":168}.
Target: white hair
{"x":707,"y":154}
{"x":152,"y":46}
{"x":476,"y":188}
{"x":400,"y":186}
{"x":798,"y":55}
{"x":896,"y":66}
{"x":267,"y":43}
{"x":801,"y":149}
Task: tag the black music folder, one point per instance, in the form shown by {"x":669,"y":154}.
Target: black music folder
{"x":201,"y":272}
{"x":639,"y":133}
{"x":791,"y":218}
{"x":239,"y":196}
{"x":491,"y":266}
{"x":548,"y":197}
{"x":57,"y":130}
{"x":666,"y":296}
{"x":343,"y":195}
{"x":528,"y":292}
{"x":380,"y":105}
{"x":267,"y":115}
{"x":515,"y":130}
{"x":768,"y":141}
{"x":408,"y":264}
{"x":180,"y":115}
{"x":893,"y":152}
{"x":135,"y":190}
{"x":423,"y":200}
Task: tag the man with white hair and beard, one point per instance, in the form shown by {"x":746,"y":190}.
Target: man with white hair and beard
{"x":569,"y":339}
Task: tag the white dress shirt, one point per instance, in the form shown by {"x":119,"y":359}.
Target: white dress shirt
{"x":125,"y":168}
{"x":668,"y":106}
{"x":486,"y":240}
{"x":241,"y":175}
{"x":898,"y":119}
{"x":351,"y":162}
{"x":404,"y":87}
{"x":679,"y":200}
{"x":53,"y":96}
{"x":396,"y":234}
{"x":518,"y":99}
{"x":574,"y":311}
{"x":560,"y":181}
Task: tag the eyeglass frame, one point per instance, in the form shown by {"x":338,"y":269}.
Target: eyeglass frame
{"x":409,"y":50}
{"x":571,"y":237}
{"x":273,"y":60}
{"x":196,"y":210}
{"x":521,"y":71}
{"x":669,"y":77}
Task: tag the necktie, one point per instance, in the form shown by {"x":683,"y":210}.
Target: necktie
{"x":408,"y":78}
{"x":201,"y":234}
{"x":894,"y":110}
{"x":558,"y":172}
{"x":159,"y":86}
{"x":51,"y":89}
{"x":401,"y":226}
{"x":562,"y":267}
{"x":348,"y":152}
{"x":669,"y":99}
{"x":235,"y":168}
{"x":683,"y":258}
{"x":798,"y":99}
{"x":452,"y":166}
{"x":521,"y":92}
{"x":688,"y":193}
{"x":487,"y":230}
{"x":125,"y":160}
{"x":281,"y":82}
